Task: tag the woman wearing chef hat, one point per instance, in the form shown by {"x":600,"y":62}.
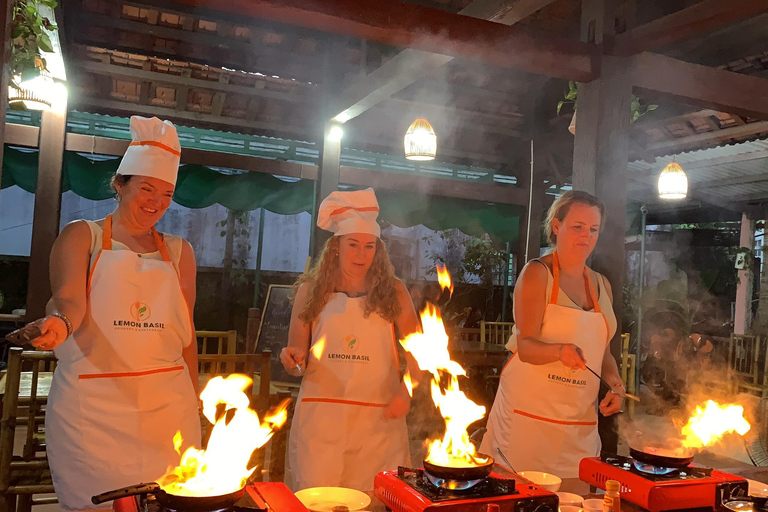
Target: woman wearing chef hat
{"x":544,"y":416}
{"x":120,"y":323}
{"x":349,"y":422}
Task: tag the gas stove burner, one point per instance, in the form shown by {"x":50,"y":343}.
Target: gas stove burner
{"x":651,"y":469}
{"x":452,"y":485}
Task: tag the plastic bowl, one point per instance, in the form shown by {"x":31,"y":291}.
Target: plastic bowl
{"x":568,"y":499}
{"x":593,"y":505}
{"x":545,"y":480}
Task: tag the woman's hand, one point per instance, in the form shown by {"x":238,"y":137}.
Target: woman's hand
{"x":399,"y":405}
{"x":54,"y":331}
{"x":612,"y":402}
{"x":294,"y":360}
{"x":572,"y":356}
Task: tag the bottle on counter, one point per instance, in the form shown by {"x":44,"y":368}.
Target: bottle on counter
{"x":612,"y":498}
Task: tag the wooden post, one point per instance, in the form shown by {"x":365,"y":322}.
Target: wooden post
{"x":5,"y":75}
{"x":47,"y":211}
{"x":600,"y":157}
{"x":252,"y":330}
{"x":328,"y":181}
{"x":743,"y":315}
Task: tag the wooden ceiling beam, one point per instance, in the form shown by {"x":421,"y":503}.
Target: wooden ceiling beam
{"x":412,"y":65}
{"x":700,"y":85}
{"x":425,"y":29}
{"x":701,"y":18}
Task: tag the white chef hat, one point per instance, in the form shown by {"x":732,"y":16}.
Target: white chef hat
{"x":154,"y":150}
{"x":343,"y":213}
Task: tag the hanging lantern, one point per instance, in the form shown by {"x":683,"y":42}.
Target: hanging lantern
{"x":420,"y":141}
{"x":34,"y":94}
{"x":673,"y":183}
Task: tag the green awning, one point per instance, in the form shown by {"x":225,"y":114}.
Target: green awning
{"x":199,"y":187}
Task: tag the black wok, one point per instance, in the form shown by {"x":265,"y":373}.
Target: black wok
{"x":461,"y":474}
{"x":173,"y":501}
{"x":658,"y":456}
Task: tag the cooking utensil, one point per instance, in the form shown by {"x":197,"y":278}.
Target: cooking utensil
{"x":623,"y":395}
{"x":648,"y":456}
{"x":505,"y":460}
{"x":25,"y":335}
{"x":173,"y":501}
{"x":463,"y":473}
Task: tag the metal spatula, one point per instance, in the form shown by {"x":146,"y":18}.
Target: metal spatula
{"x":623,"y":395}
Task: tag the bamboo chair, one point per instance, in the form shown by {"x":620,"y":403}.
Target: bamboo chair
{"x":496,"y":333}
{"x":748,"y":363}
{"x":21,"y":477}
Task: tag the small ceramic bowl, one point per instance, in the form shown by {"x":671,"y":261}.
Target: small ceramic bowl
{"x":569,"y":499}
{"x":593,"y":505}
{"x":545,"y":480}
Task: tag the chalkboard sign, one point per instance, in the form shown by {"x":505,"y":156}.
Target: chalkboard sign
{"x":273,"y":331}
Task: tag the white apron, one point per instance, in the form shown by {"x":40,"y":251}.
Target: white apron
{"x":544,"y":417}
{"x":121,"y":389}
{"x":339,"y":436}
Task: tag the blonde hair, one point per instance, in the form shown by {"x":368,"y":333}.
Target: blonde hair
{"x":381,"y":283}
{"x":562,"y":205}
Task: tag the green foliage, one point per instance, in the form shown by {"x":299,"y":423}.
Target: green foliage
{"x":471,"y":257}
{"x":29,"y":39}
{"x":636,"y":108}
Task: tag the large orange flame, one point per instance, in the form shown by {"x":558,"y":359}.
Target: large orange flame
{"x":223,"y":467}
{"x":444,"y":278}
{"x":711,"y":421}
{"x":430,"y":349}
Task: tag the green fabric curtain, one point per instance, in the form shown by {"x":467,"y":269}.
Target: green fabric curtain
{"x":199,"y":187}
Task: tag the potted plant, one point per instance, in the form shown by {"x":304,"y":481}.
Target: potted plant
{"x":636,"y":108}
{"x":29,"y":39}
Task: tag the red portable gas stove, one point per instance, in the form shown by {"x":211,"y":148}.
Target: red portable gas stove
{"x":411,"y":490}
{"x":659,"y":489}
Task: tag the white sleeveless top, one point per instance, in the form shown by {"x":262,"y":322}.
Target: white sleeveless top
{"x":172,"y":242}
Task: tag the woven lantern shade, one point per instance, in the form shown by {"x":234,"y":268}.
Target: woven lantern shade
{"x":673,"y":183}
{"x":420,"y":141}
{"x":35,"y":94}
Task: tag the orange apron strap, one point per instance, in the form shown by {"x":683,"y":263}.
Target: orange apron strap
{"x":555,"y":278}
{"x":161,"y":245}
{"x":597,"y":305}
{"x":106,"y":236}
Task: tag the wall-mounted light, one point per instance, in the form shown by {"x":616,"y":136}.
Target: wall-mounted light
{"x":37,"y":93}
{"x":335,"y":133}
{"x":673,"y":183}
{"x":420,"y":141}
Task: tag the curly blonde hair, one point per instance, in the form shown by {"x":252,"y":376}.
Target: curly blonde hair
{"x":381,"y":283}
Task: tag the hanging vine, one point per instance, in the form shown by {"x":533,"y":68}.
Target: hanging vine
{"x":29,"y":39}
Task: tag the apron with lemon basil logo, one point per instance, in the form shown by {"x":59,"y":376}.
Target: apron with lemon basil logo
{"x":121,"y":389}
{"x":339,"y":436}
{"x":544,"y":417}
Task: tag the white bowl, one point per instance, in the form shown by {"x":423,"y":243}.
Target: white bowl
{"x":545,"y":480}
{"x":568,"y":499}
{"x":567,"y":508}
{"x":593,"y":505}
{"x":757,"y":488}
{"x":323,"y":499}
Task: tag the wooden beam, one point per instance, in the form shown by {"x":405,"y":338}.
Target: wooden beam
{"x":699,"y":19}
{"x":713,"y":138}
{"x":412,"y":65}
{"x":167,"y":78}
{"x":699,"y":85}
{"x":426,"y":29}
{"x":5,"y":69}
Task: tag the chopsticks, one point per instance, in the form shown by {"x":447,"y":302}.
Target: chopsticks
{"x":624,"y":395}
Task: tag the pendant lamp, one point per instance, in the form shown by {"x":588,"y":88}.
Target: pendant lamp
{"x":673,"y":183}
{"x":420,"y":141}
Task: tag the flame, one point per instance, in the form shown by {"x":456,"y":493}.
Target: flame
{"x":444,"y":278}
{"x":318,"y":348}
{"x":430,"y":349}
{"x":223,"y":467}
{"x":408,"y":382}
{"x":711,"y":422}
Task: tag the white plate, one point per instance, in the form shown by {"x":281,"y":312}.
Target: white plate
{"x":757,"y":488}
{"x":323,"y":499}
{"x":569,"y":499}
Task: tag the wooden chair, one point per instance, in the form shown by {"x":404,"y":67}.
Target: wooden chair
{"x":217,"y":342}
{"x":21,"y":477}
{"x":464,"y":334}
{"x":748,"y":363}
{"x":496,"y":333}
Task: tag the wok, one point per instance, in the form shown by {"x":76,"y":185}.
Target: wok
{"x":462,"y":474}
{"x":173,"y":501}
{"x":659,"y":456}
